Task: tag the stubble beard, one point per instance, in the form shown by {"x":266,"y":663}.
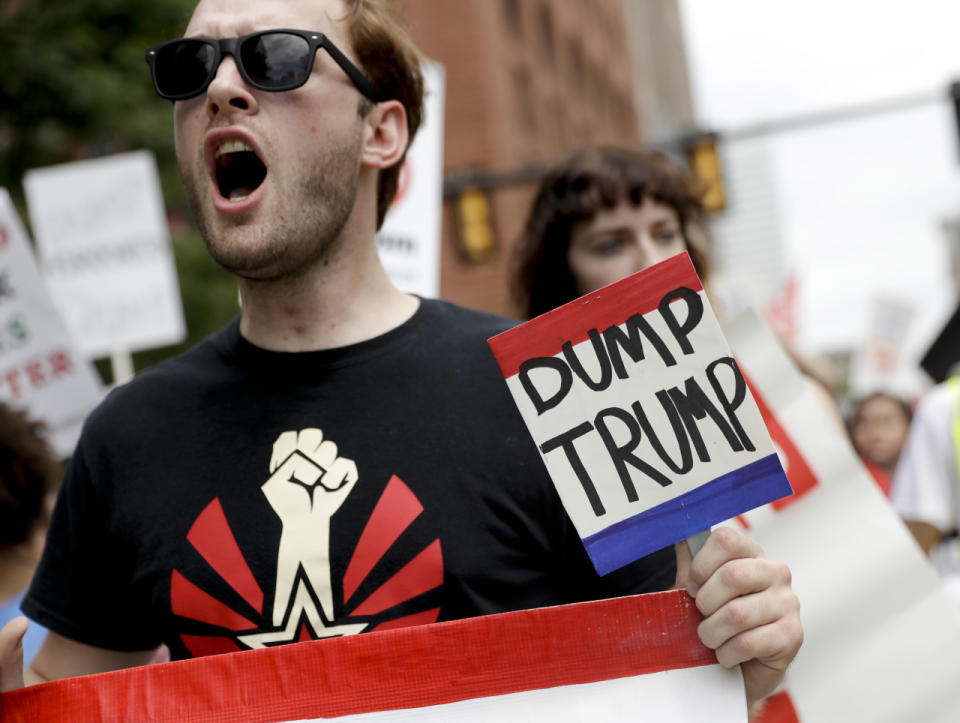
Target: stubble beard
{"x":309,"y":212}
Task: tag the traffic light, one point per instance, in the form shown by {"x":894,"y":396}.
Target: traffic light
{"x":474,"y":225}
{"x":703,"y":157}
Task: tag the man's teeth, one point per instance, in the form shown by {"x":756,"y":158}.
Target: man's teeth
{"x":233,"y":146}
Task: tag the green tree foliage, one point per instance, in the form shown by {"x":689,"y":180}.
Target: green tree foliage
{"x":209,"y":294}
{"x":74,"y":84}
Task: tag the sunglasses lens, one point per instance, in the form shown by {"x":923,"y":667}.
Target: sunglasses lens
{"x":185,"y":67}
{"x":276,"y":61}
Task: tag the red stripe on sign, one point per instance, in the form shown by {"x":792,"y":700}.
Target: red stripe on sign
{"x":778,"y":708}
{"x":802,"y":479}
{"x":390,"y":670}
{"x":639,"y":293}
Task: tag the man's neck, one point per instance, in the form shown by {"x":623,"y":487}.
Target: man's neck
{"x":345,"y":302}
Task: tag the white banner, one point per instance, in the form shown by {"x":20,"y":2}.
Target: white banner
{"x":40,"y":368}
{"x":881,"y":637}
{"x":409,"y":241}
{"x":691,"y":695}
{"x":105,"y":252}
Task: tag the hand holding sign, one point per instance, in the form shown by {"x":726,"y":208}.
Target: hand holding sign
{"x":752,"y":617}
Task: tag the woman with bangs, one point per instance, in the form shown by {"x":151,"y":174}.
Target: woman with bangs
{"x":600,"y":215}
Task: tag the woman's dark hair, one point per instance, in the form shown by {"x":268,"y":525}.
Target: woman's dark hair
{"x":28,"y":470}
{"x":591,"y":180}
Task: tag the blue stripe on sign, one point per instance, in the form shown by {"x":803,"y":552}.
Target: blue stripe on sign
{"x":742,"y":489}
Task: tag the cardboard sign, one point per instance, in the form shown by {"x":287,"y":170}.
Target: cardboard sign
{"x":881,"y":635}
{"x":409,"y":241}
{"x":640,"y":413}
{"x":105,"y":252}
{"x":40,"y":368}
{"x":627,"y":659}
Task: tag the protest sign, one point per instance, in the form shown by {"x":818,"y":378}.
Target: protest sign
{"x":615,"y":660}
{"x":40,"y":368}
{"x":409,"y":240}
{"x":881,"y":636}
{"x":640,"y":413}
{"x":105,"y":253}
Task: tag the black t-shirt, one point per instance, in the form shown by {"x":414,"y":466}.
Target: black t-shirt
{"x":235,"y":497}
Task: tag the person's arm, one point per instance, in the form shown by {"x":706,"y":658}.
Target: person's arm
{"x":751,"y":614}
{"x":58,"y":657}
{"x":925,"y":534}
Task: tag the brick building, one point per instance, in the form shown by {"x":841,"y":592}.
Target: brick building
{"x":526,"y":82}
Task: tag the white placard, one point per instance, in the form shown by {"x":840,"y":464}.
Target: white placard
{"x":40,"y":368}
{"x":881,"y":636}
{"x":409,"y":241}
{"x":105,"y":252}
{"x":640,"y":413}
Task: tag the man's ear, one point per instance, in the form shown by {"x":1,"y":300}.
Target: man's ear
{"x":385,"y":134}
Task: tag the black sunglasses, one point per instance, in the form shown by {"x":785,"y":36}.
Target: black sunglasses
{"x":273,"y":60}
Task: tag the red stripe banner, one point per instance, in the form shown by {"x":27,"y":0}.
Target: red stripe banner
{"x":390,"y":670}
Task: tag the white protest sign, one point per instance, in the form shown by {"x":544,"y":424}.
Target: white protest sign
{"x":40,"y":369}
{"x":640,"y":413}
{"x":105,"y":252}
{"x":881,"y":636}
{"x":409,"y":240}
{"x":626,"y":659}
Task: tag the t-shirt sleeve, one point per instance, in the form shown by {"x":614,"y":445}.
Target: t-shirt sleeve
{"x":925,"y":483}
{"x":83,"y":587}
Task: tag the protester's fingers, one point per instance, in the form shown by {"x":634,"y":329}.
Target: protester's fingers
{"x":752,"y":617}
{"x":772,"y":642}
{"x":764,"y":653}
{"x":745,"y":612}
{"x":11,"y":654}
{"x":723,"y":545}
{"x":741,"y":577}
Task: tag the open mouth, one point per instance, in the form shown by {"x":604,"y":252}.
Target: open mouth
{"x":239,"y":170}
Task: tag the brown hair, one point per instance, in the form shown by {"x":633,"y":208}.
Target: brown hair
{"x":902,"y":406}
{"x":28,"y":471}
{"x":592,"y":180}
{"x":391,"y":61}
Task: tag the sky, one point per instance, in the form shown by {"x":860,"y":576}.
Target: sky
{"x":860,"y":202}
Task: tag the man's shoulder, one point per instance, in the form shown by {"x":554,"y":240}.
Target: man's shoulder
{"x":169,"y":380}
{"x":460,"y":321}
